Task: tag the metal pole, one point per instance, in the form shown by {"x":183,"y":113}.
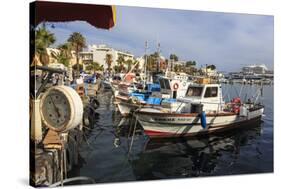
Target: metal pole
{"x":64,"y":161}
{"x":145,"y":67}
{"x":61,"y":166}
{"x":158,"y":58}
{"x":172,"y":63}
{"x":132,"y":139}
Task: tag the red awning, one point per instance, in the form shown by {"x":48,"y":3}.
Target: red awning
{"x":100,"y":16}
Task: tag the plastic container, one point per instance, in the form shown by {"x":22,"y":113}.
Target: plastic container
{"x":152,"y":100}
{"x":153,"y":87}
{"x":140,"y":96}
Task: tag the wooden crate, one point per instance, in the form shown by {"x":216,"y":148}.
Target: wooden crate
{"x":203,"y":80}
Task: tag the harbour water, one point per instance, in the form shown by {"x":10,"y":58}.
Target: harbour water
{"x":105,"y":154}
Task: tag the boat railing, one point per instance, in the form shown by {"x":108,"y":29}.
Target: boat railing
{"x":185,"y":101}
{"x":199,"y":102}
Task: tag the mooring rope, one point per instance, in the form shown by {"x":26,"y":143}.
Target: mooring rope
{"x":133,"y":136}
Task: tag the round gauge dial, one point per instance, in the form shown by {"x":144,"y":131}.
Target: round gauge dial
{"x":56,"y":109}
{"x":61,"y":108}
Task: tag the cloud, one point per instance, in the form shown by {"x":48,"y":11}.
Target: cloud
{"x":226,"y":40}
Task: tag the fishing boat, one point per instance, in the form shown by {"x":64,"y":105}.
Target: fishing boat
{"x":168,"y":89}
{"x":201,"y":111}
{"x":115,"y":81}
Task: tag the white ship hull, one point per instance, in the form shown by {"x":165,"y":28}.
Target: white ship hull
{"x":125,"y":110}
{"x":157,"y":123}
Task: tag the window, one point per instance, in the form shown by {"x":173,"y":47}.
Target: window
{"x":167,"y":84}
{"x":162,"y":83}
{"x":194,"y":91}
{"x":211,"y":92}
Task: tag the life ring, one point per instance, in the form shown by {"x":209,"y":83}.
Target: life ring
{"x":176,"y":86}
{"x":236,"y":103}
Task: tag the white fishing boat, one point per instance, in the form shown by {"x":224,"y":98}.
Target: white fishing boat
{"x":170,"y":88}
{"x":201,"y":111}
{"x":115,"y":81}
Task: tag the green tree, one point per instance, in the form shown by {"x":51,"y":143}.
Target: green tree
{"x":212,"y":67}
{"x":174,"y":57}
{"x":129,"y":63}
{"x":97,"y":66}
{"x":120,"y":61}
{"x":117,"y":69}
{"x":152,"y":61}
{"x":78,"y":42}
{"x":108,"y":60}
{"x":190,"y":63}
{"x":94,"y":66}
{"x":176,"y":68}
{"x":65,"y":54}
{"x":43,"y":40}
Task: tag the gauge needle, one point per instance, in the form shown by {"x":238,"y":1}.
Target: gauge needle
{"x":56,"y":108}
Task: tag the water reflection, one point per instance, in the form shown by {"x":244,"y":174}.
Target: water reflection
{"x":105,"y":156}
{"x":175,"y":158}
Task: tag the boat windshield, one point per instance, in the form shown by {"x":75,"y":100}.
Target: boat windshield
{"x":194,"y":91}
{"x":164,"y":83}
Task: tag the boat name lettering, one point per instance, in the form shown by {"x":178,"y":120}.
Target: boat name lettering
{"x":172,"y":119}
{"x":164,"y":119}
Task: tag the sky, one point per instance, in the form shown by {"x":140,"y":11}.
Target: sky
{"x":229,"y":41}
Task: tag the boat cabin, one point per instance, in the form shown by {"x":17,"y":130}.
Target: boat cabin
{"x":200,"y":97}
{"x":174,"y":87}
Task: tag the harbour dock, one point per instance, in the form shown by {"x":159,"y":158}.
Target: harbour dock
{"x":57,"y":153}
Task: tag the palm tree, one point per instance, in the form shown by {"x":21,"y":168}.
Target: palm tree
{"x":173,"y":58}
{"x":78,"y":42}
{"x":152,"y":61}
{"x":129,"y":63}
{"x":65,"y":54}
{"x":108,"y":60}
{"x":43,"y":40}
{"x":120,"y":60}
{"x":212,"y":67}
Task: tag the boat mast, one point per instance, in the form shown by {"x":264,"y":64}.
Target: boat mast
{"x":145,"y":55}
{"x":158,"y":58}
